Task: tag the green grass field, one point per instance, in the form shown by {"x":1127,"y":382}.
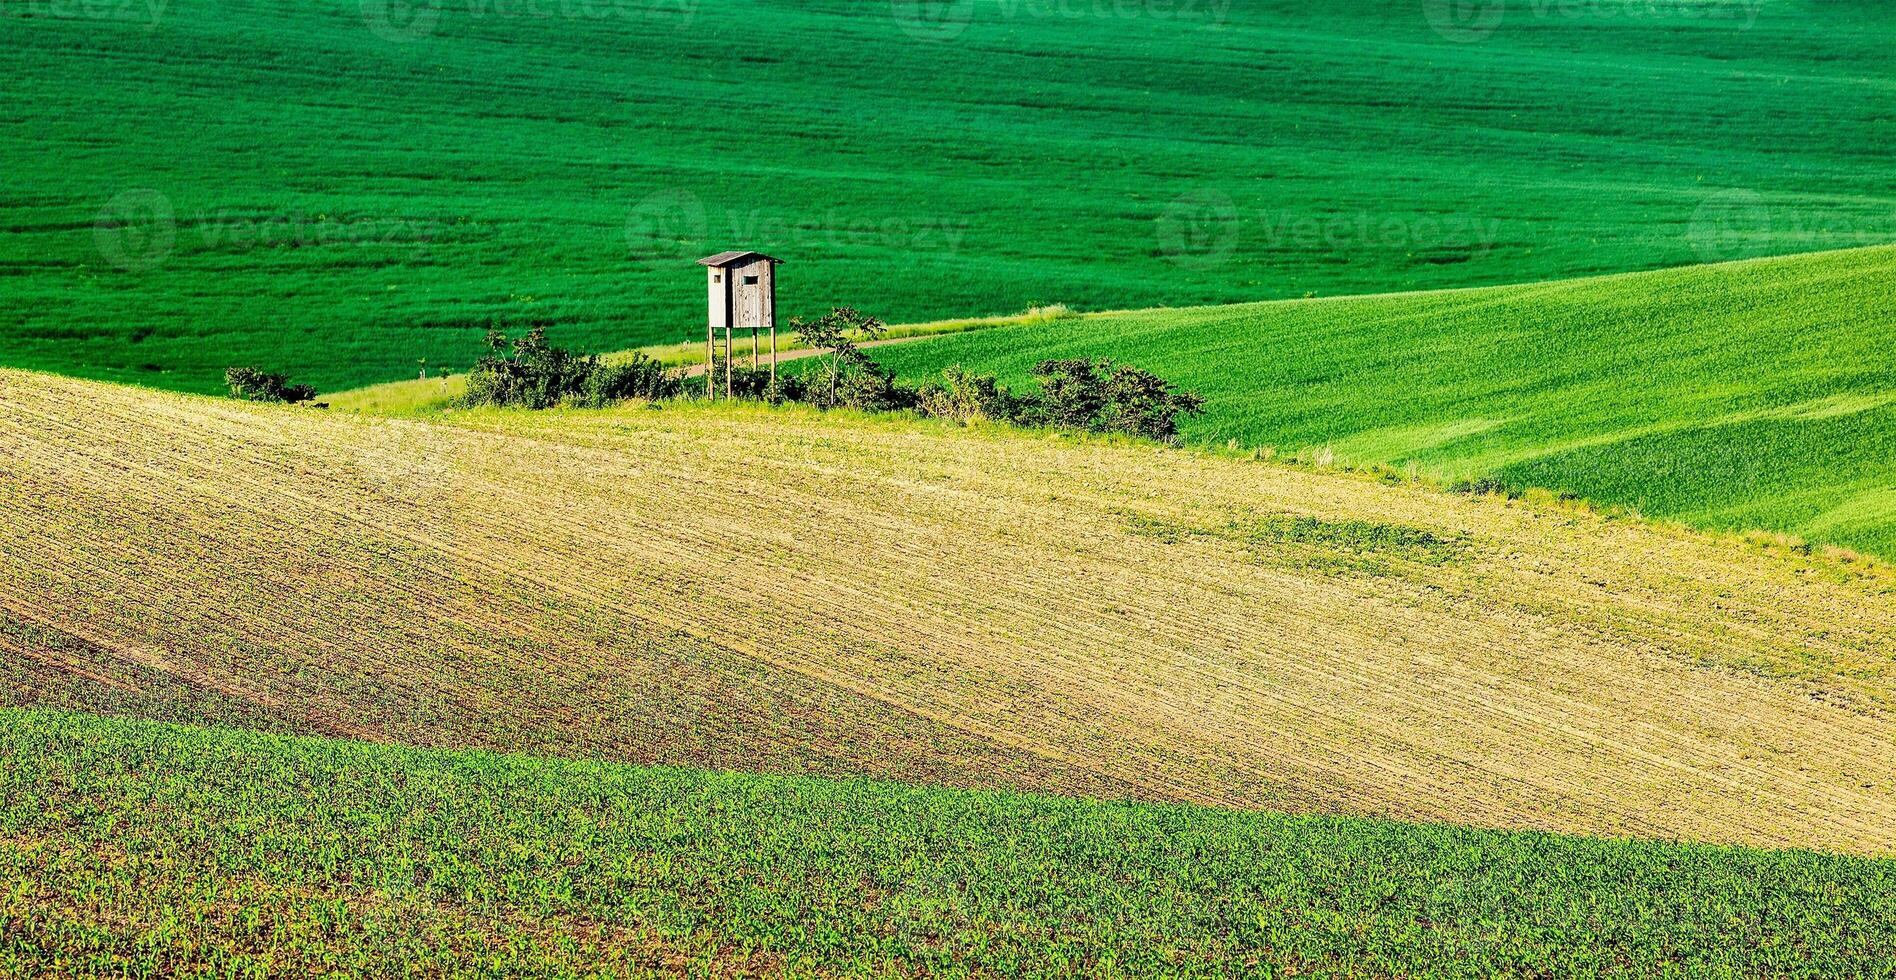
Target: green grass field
{"x":319,"y":187}
{"x":141,"y":849}
{"x":1756,"y":395}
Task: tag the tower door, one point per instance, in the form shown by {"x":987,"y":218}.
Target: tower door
{"x":750,"y":300}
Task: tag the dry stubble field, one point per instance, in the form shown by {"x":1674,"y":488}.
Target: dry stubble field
{"x":774,"y":590}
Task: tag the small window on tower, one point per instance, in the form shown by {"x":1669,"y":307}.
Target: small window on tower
{"x":717,"y":277}
{"x":750,"y":280}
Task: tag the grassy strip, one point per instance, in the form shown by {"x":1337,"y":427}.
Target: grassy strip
{"x":144,"y":849}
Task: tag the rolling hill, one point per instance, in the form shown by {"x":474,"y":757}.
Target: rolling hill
{"x":1748,"y":395}
{"x":339,"y":188}
{"x":140,"y":849}
{"x":776,"y":590}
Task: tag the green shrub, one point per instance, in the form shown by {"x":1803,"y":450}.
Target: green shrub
{"x":1096,"y":395}
{"x":1071,"y":394}
{"x":750,"y":384}
{"x":256,"y":385}
{"x":641,"y":377}
{"x":532,"y":373}
{"x":870,"y":387}
{"x":1139,"y":403}
{"x":786,"y":388}
{"x":964,"y":397}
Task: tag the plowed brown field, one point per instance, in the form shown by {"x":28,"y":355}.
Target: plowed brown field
{"x":777,"y":590}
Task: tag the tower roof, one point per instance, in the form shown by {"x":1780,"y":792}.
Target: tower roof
{"x":725,"y":260}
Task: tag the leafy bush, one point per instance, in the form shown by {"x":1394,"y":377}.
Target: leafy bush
{"x":964,"y":397}
{"x":535,"y":374}
{"x":870,"y":387}
{"x":1093,"y":395}
{"x":1096,"y":395}
{"x":1071,"y":394}
{"x":1139,"y":403}
{"x":640,"y":377}
{"x":752,"y":384}
{"x":787,"y":388}
{"x":256,"y":385}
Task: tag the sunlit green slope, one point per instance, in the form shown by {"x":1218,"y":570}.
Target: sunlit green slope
{"x":1747,"y":395}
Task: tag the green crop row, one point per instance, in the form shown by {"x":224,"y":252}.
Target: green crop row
{"x":141,"y":849}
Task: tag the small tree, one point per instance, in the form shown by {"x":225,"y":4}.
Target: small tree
{"x":836,"y":333}
{"x":257,"y":385}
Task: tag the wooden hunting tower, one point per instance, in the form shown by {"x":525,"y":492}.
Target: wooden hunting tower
{"x":743,"y":297}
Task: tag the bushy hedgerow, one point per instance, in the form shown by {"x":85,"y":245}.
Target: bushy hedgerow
{"x":639,"y":377}
{"x":532,"y":373}
{"x":1092,"y":395}
{"x":749,"y":384}
{"x":257,"y":385}
{"x":1086,"y":394}
{"x":964,"y":397}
